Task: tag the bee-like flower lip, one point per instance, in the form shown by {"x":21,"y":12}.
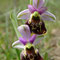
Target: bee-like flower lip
{"x":36,"y":18}
{"x":38,"y":28}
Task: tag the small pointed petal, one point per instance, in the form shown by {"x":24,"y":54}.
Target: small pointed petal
{"x":42,"y":10}
{"x":16,"y":42}
{"x":19,"y":46}
{"x":23,"y":41}
{"x":32,"y":39}
{"x":38,"y":3}
{"x":48,"y":16}
{"x":25,"y":31}
{"x":31,"y":8}
{"x":24,"y":14}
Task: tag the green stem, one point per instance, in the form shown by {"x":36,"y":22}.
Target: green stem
{"x":7,"y":39}
{"x":31,"y":2}
{"x":15,"y":25}
{"x":18,"y":54}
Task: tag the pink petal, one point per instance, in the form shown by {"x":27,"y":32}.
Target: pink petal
{"x":32,"y":39}
{"x":31,"y":8}
{"x":38,"y":3}
{"x":42,"y":10}
{"x":24,"y":14}
{"x":25,"y":31}
{"x":22,"y":40}
{"x":48,"y":16}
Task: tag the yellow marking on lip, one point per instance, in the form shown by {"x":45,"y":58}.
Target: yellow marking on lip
{"x":33,"y":28}
{"x":32,"y":33}
{"x":44,"y":33}
{"x":29,"y":21}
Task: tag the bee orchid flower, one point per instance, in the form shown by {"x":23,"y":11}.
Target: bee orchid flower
{"x":29,"y":53}
{"x":26,"y":36}
{"x":37,"y":6}
{"x":35,"y":16}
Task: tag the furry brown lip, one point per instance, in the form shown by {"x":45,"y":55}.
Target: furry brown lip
{"x":37,"y":28}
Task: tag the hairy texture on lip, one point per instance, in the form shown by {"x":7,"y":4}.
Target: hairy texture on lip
{"x":38,"y":28}
{"x":35,"y":19}
{"x":35,"y":56}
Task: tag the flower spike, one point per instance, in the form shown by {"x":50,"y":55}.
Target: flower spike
{"x":35,"y":16}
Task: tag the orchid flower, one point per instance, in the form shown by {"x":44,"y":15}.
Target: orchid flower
{"x":37,"y":6}
{"x":26,"y":37}
{"x":29,"y":53}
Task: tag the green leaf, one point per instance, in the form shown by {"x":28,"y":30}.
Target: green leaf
{"x":46,"y":56}
{"x":15,"y":24}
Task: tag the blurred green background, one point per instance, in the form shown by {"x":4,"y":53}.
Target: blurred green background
{"x":50,"y":44}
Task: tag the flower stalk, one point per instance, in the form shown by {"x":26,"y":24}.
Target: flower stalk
{"x":31,"y":1}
